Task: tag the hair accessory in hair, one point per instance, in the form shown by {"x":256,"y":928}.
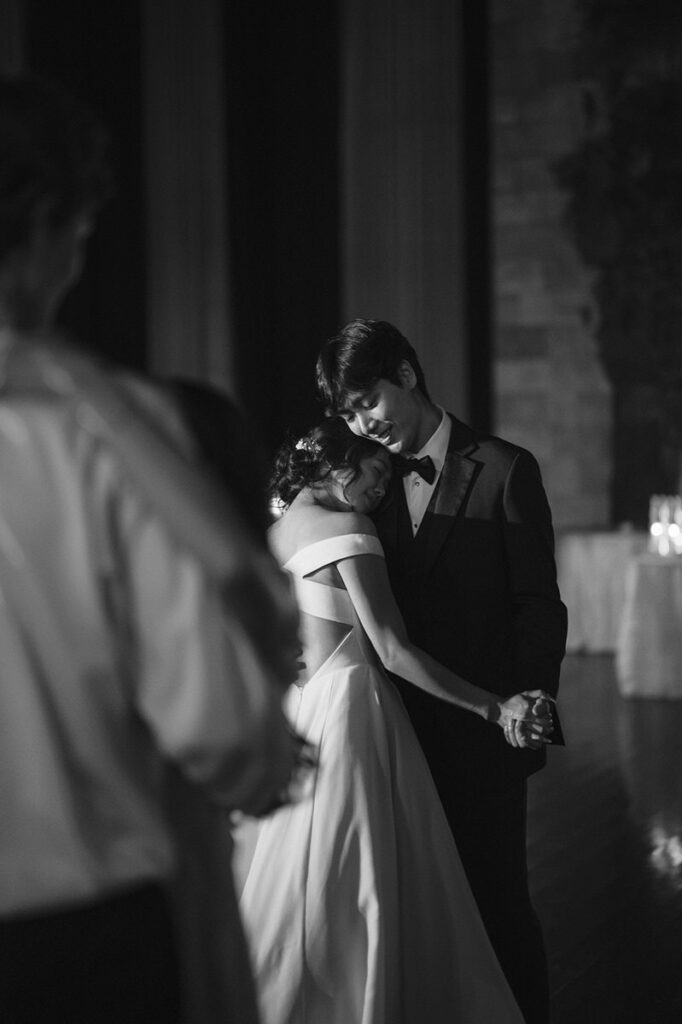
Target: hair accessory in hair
{"x":310,"y":445}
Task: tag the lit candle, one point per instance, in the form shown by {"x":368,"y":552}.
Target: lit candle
{"x":665,"y":524}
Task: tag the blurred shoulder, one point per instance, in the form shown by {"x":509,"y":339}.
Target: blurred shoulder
{"x":153,"y":400}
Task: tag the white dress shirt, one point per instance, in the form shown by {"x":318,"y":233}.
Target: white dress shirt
{"x":115,"y":656}
{"x":417,"y":491}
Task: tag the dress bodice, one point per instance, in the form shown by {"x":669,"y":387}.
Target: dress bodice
{"x":320,"y":599}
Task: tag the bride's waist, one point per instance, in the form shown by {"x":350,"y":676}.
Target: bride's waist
{"x":348,"y":649}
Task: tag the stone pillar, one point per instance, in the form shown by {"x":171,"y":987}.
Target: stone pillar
{"x":551,"y":393}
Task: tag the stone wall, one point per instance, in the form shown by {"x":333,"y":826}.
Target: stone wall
{"x":551,"y":394}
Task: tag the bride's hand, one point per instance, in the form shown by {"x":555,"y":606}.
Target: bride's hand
{"x":526,"y":719}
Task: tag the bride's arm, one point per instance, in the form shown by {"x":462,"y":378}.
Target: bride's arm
{"x":366,"y":580}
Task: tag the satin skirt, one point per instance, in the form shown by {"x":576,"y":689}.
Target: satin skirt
{"x":355,"y":904}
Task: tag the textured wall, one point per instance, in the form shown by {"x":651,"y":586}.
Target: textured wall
{"x":551,"y":394}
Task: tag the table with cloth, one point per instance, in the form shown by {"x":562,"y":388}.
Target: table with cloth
{"x":592,"y":567}
{"x":649,"y":651}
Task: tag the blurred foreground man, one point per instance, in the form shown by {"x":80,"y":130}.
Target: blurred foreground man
{"x":133,"y":610}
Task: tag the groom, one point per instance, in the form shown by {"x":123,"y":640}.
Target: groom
{"x":469,"y":547}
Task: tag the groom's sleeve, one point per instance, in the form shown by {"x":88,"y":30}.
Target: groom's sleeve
{"x":540,"y":619}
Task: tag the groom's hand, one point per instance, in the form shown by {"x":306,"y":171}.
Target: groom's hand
{"x":525,"y":738}
{"x":531,"y":729}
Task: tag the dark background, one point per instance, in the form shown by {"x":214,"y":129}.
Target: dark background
{"x":283,"y":181}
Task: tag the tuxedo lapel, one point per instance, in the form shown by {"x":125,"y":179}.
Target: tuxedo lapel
{"x":452,"y":486}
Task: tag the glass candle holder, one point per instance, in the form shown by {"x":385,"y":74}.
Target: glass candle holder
{"x":665,"y":524}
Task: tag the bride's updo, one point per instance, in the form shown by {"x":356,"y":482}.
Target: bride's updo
{"x":309,"y":460}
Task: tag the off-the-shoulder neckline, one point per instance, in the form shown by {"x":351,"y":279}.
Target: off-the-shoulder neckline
{"x":334,"y":540}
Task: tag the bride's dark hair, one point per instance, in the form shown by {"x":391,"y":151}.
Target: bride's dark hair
{"x":310,"y":459}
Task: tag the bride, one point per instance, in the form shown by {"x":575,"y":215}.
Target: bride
{"x":355,"y":903}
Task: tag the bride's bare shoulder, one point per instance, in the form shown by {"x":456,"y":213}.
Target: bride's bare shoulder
{"x":356,"y":522}
{"x":323,"y":524}
{"x":300,"y":527}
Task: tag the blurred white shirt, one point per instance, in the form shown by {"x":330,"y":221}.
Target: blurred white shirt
{"x":114,"y":656}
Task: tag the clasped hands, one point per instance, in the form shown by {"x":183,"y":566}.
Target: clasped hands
{"x":526,"y":719}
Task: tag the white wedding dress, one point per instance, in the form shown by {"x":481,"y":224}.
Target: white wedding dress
{"x":355,"y":904}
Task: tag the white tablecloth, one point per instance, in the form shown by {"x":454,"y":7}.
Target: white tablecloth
{"x":591,"y":568}
{"x":649,"y":654}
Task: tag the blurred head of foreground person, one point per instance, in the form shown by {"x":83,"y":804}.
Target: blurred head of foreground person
{"x":133,"y":610}
{"x":53,"y":179}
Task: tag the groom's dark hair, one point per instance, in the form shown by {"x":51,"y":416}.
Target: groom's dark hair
{"x":362,"y":353}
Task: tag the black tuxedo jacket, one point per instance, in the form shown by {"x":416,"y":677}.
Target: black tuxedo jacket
{"x":477,"y":590}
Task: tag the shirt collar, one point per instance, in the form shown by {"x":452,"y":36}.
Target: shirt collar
{"x":437,"y":444}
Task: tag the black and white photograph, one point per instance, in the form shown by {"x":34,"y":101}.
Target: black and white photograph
{"x":341,"y":512}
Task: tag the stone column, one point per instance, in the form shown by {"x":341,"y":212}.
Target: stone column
{"x":551,"y":393}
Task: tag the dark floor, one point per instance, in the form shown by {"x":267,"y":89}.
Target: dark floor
{"x":605,"y":853}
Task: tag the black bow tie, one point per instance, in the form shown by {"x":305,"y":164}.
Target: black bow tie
{"x":423,"y":466}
